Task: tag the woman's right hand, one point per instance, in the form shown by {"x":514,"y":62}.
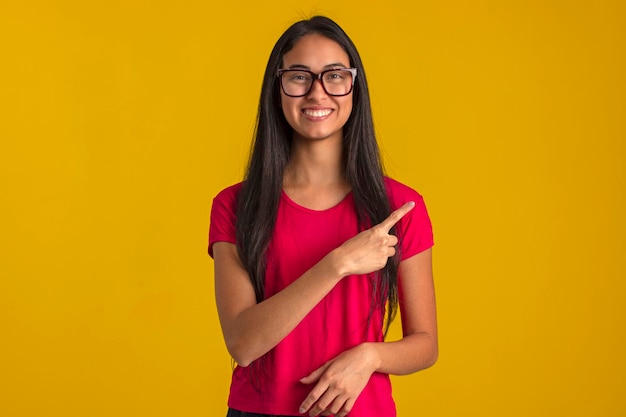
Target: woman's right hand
{"x":369,"y":250}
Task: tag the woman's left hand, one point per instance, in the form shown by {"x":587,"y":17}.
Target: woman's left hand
{"x":339,"y":382}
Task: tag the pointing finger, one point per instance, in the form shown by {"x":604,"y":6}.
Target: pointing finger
{"x":395,"y":217}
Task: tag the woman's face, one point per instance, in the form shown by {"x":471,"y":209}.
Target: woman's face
{"x":317,"y":115}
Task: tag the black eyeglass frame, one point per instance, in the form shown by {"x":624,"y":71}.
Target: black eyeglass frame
{"x":316,"y":77}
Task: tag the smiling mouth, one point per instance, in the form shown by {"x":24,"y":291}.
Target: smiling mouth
{"x":317,"y":113}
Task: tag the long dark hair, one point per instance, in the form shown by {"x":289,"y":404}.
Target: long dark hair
{"x":260,"y":194}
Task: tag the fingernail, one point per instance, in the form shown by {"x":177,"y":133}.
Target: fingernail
{"x":411,"y":203}
{"x":301,"y":410}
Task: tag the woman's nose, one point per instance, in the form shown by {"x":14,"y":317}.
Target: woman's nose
{"x":317,"y":89}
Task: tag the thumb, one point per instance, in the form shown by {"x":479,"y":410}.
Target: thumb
{"x":315,"y":375}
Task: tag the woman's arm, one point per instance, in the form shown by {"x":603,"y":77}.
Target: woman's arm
{"x":250,"y":329}
{"x":341,"y":380}
{"x":418,"y":348}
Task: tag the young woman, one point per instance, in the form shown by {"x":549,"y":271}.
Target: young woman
{"x":316,"y":249}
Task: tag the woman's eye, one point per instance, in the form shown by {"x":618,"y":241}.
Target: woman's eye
{"x":299,"y":77}
{"x":334,"y":77}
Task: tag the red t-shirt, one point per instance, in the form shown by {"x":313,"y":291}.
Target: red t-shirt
{"x":340,"y":321}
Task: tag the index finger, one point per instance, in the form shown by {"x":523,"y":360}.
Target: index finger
{"x":395,"y":217}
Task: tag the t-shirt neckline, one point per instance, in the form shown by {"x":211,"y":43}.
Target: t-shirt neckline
{"x":295,"y":205}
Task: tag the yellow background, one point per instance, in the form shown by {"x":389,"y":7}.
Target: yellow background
{"x":120,"y":120}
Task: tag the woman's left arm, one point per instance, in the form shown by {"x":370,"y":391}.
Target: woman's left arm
{"x":341,"y":380}
{"x":418,"y":348}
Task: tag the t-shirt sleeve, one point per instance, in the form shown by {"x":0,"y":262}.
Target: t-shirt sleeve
{"x":415,"y":232}
{"x":222,"y":226}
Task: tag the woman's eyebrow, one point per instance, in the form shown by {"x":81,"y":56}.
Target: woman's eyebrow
{"x":333,"y":65}
{"x":336,"y":64}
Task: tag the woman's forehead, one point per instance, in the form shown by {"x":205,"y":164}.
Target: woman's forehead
{"x":316,"y":52}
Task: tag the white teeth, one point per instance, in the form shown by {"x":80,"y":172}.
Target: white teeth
{"x":317,"y":113}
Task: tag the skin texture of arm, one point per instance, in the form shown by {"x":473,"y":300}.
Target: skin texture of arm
{"x":339,"y":382}
{"x":250,"y":329}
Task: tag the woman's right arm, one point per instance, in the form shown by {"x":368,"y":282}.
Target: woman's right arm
{"x":250,"y":329}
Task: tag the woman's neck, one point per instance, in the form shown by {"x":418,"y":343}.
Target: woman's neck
{"x":315,"y":163}
{"x":314,"y":176}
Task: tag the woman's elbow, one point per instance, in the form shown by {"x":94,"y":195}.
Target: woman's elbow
{"x":429,"y":354}
{"x":243,"y":363}
{"x":240,"y":354}
{"x":432,"y":358}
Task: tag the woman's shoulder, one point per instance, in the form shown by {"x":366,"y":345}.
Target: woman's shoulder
{"x":400,"y":193}
{"x":225,"y":202}
{"x":229,"y":193}
{"x":415,"y":227}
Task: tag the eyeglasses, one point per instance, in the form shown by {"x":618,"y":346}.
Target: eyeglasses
{"x":299,"y":82}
